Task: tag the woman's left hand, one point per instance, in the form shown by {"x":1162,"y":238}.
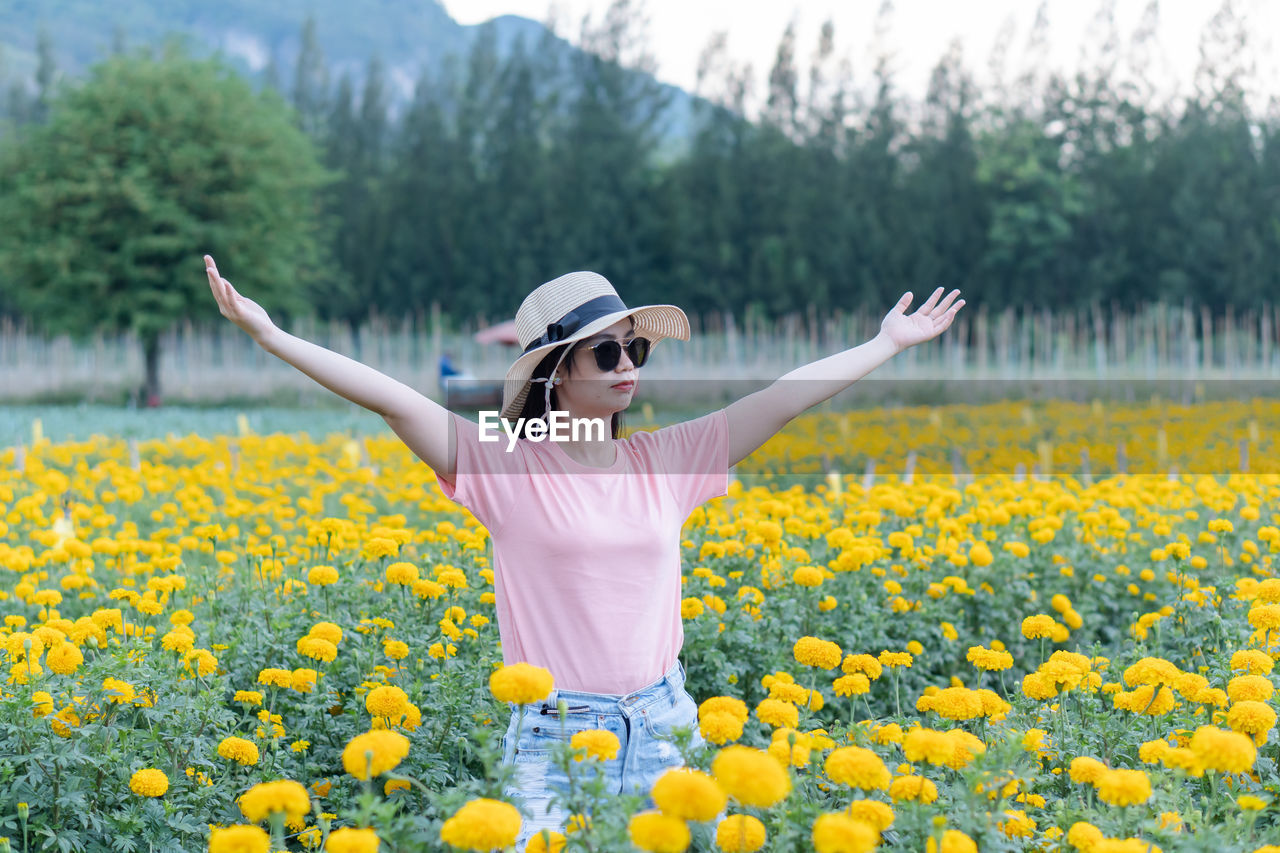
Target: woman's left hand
{"x":929,"y":321}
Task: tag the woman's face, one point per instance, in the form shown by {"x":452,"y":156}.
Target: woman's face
{"x":587,"y":390}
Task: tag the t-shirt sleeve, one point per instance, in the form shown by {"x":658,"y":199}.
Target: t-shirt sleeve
{"x":487,"y":478}
{"x":695,"y":457}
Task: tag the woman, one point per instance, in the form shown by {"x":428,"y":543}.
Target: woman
{"x":586,"y":529}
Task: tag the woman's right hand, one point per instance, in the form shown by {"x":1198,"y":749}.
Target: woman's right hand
{"x":242,"y":311}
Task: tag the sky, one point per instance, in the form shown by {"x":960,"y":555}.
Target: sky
{"x":921,"y":33}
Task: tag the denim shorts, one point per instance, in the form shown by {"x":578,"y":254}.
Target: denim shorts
{"x":642,"y":721}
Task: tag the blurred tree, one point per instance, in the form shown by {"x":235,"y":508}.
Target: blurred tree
{"x":310,"y":82}
{"x":106,"y":210}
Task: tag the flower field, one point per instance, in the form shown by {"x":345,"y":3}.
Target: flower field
{"x":271,"y":642}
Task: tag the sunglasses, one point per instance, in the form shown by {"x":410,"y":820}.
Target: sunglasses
{"x":609,"y":353}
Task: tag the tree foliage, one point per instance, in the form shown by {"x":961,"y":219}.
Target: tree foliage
{"x":106,"y":208}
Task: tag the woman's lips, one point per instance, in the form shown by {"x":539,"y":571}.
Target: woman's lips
{"x":624,"y":386}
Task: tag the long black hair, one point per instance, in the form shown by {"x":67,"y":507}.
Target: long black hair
{"x":535,"y":401}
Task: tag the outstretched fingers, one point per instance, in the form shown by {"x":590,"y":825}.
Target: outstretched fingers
{"x":946,"y":303}
{"x":943,"y":322}
{"x":927,"y":307}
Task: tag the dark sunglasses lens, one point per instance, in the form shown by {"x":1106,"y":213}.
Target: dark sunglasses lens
{"x":607,"y":354}
{"x":638,"y":351}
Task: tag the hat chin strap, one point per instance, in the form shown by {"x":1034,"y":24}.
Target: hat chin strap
{"x":548,"y":381}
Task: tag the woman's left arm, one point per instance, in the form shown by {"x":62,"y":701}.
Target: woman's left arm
{"x":754,"y":419}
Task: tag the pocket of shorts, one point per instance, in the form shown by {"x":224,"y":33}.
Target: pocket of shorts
{"x":540,"y":737}
{"x":660,"y":719}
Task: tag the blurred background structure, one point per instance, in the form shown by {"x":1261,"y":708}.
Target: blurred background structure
{"x":387,"y":182}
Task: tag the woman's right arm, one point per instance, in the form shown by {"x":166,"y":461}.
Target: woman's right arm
{"x":421,"y":423}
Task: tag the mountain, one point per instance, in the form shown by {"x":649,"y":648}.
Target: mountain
{"x":410,"y":36}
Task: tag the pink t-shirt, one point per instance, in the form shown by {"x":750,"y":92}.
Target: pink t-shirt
{"x":586,"y":561}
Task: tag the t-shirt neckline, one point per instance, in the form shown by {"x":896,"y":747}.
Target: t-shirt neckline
{"x":617,"y":462}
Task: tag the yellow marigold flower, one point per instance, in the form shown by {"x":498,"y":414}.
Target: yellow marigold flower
{"x":1265,"y":617}
{"x":303,"y":679}
{"x":300,"y":746}
{"x":395,"y":649}
{"x":993,"y":707}
{"x":1152,"y":751}
{"x":807,"y":576}
{"x":64,"y":658}
{"x":482,"y":824}
{"x":351,"y":840}
{"x":317,"y":648}
{"x":388,"y":748}
{"x":1185,"y":759}
{"x":921,"y":744}
{"x":840,"y":833}
{"x":750,"y":776}
{"x":521,"y":683}
{"x":1086,"y":770}
{"x":775,"y":712}
{"x":149,"y":782}
{"x":427,"y":589}
{"x":992,"y":661}
{"x":546,"y":841}
{"x":386,"y":701}
{"x":874,"y":813}
{"x":740,"y":833}
{"x":965,"y":747}
{"x":393,"y":785}
{"x":1250,"y":803}
{"x":120,"y":692}
{"x":239,"y":839}
{"x":691,"y":608}
{"x":1124,"y":787}
{"x":282,"y":795}
{"x":851,"y":685}
{"x":857,"y":767}
{"x":327,"y":631}
{"x":1257,"y":688}
{"x":1226,"y":752}
{"x":1039,"y":626}
{"x":955,"y":703}
{"x":273,"y":677}
{"x":812,"y":651}
{"x":401,"y":573}
{"x":790,"y":747}
{"x":1084,"y":836}
{"x":1254,"y":661}
{"x":892,"y":659}
{"x":658,"y":832}
{"x":597,"y":743}
{"x":720,"y":727}
{"x":915,"y":788}
{"x":43,"y":704}
{"x":1017,"y":549}
{"x":1252,"y":718}
{"x":688,"y":794}
{"x":953,"y":841}
{"x":827,"y":604}
{"x":725,"y":704}
{"x":239,"y":750}
{"x":887,"y":734}
{"x":322,"y":575}
{"x":1152,"y":671}
{"x":1017,"y":824}
{"x":865,"y":664}
{"x":1035,"y":685}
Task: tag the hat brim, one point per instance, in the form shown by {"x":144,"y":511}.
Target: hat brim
{"x":654,"y":322}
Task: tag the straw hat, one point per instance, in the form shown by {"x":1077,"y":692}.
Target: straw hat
{"x":572,"y":307}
